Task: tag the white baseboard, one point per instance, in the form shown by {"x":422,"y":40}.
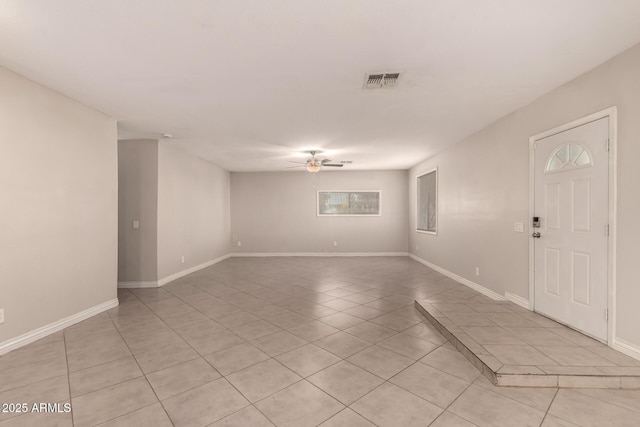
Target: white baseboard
{"x":135,"y":285}
{"x":54,"y":327}
{"x":473,"y":285}
{"x":172,"y":277}
{"x":165,"y":280}
{"x":190,"y":270}
{"x":631,"y":350}
{"x":518,"y":300}
{"x":315,"y":254}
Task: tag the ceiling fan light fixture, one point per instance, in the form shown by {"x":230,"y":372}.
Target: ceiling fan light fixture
{"x":313,"y":166}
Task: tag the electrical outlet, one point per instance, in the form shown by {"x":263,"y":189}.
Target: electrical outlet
{"x":2,"y":315}
{"x":239,"y":243}
{"x":518,"y":227}
{"x":183,"y":259}
{"x":477,"y":271}
{"x":335,"y":243}
{"x":136,"y":225}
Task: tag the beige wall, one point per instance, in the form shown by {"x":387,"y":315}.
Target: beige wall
{"x":138,"y":201}
{"x":483,"y":187}
{"x":276,"y":212}
{"x":193,"y":211}
{"x":58,"y":192}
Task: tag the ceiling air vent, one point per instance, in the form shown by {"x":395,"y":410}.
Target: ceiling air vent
{"x":380,"y":80}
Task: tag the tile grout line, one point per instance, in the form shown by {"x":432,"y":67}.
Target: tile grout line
{"x":578,"y":390}
{"x":472,"y":383}
{"x":273,"y":288}
{"x":224,"y":376}
{"x":385,"y":381}
{"x":66,"y":361}
{"x":453,"y":401}
{"x":549,"y":407}
{"x":143,"y":374}
{"x":34,"y":382}
{"x":365,"y":395}
{"x":420,"y":397}
{"x":507,"y":397}
{"x":308,"y":342}
{"x":45,"y":379}
{"x":203,"y":356}
{"x":100,"y":364}
{"x":266,"y":397}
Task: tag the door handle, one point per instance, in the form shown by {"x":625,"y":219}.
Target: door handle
{"x":536,"y":235}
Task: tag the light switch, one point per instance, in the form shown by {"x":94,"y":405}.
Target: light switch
{"x":519,"y":227}
{"x":136,"y":225}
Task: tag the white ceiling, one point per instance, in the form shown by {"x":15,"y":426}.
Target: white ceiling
{"x":249,"y":84}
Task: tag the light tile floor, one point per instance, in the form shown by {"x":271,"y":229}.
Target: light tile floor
{"x":518,"y":347}
{"x":287,"y":342}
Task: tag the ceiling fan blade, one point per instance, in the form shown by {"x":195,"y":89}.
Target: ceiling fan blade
{"x":293,"y":161}
{"x":332,"y":165}
{"x":301,"y":166}
{"x":325,"y":161}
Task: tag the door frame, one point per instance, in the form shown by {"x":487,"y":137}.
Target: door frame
{"x":612,"y":114}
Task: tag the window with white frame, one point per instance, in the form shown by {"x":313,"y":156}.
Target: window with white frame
{"x":427,"y":216}
{"x":348,"y":203}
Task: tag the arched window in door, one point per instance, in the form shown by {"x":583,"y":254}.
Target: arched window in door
{"x":568,"y":156}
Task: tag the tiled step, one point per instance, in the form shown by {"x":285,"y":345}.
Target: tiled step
{"x":516,"y":347}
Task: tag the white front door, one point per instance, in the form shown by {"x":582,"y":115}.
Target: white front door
{"x":571,"y":202}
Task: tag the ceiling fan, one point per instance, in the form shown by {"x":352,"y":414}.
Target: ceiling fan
{"x":314,"y":165}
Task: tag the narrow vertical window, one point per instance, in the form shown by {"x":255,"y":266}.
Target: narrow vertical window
{"x":428,"y":202}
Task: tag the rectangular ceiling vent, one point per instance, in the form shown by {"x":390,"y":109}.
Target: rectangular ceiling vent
{"x":380,"y":80}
